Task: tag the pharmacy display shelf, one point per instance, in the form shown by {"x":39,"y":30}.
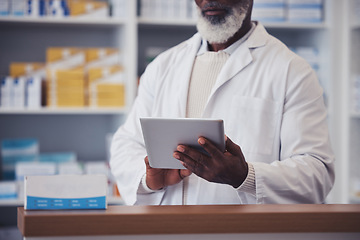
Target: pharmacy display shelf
{"x":74,"y":111}
{"x":64,"y":21}
{"x":166,"y":22}
{"x":20,"y":202}
{"x":11,"y":202}
{"x":281,"y":25}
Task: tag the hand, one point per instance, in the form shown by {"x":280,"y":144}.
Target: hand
{"x":227,"y":167}
{"x":157,"y":178}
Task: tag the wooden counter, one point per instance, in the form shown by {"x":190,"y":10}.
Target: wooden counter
{"x":139,"y":220}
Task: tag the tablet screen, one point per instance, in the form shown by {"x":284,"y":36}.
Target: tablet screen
{"x":162,"y":135}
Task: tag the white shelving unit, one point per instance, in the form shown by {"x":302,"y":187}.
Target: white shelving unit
{"x":82,"y":130}
{"x":60,"y":111}
{"x":26,"y":39}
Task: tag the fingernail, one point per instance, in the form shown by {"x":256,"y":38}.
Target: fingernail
{"x":177,"y":156}
{"x":180,"y":149}
{"x":201,"y":141}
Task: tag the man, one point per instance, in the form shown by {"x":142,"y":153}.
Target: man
{"x":277,"y":143}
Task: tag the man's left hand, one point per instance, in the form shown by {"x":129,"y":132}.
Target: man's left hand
{"x":227,"y":167}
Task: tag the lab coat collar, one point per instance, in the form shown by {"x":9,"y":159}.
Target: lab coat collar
{"x":258,"y":38}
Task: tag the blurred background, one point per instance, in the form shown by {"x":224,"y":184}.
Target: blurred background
{"x":69,"y":73}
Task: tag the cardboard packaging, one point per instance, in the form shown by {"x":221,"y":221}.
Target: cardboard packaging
{"x":29,"y":69}
{"x":63,"y":66}
{"x":101,"y":57}
{"x":4,"y":7}
{"x":8,"y":190}
{"x":107,"y":88}
{"x":65,"y":192}
{"x":88,"y":9}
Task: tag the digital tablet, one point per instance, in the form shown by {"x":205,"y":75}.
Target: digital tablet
{"x":163,"y":135}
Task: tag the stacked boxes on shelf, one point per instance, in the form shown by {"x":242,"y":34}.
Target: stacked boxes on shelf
{"x":269,"y":10}
{"x":14,"y":151}
{"x":67,"y":72}
{"x":305,"y":11}
{"x":107,"y":87}
{"x":21,"y":157}
{"x":63,"y":8}
{"x":65,"y":77}
{"x":310,"y":11}
{"x":106,"y":84}
{"x":22,"y":89}
{"x":88,"y":9}
{"x":169,"y":9}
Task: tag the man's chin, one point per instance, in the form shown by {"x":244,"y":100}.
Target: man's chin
{"x":216,"y":33}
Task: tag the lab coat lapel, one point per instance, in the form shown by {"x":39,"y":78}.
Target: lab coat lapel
{"x":236,"y":62}
{"x":240,"y":58}
{"x":184,"y":72}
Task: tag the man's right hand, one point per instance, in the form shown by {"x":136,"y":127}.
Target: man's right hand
{"x":157,"y":178}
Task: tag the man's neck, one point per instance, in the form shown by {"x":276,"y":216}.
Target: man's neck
{"x":215,"y":47}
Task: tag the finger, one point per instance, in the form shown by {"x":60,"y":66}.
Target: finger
{"x":189,"y":163}
{"x":231,"y":147}
{"x":210,"y":147}
{"x":191,"y":153}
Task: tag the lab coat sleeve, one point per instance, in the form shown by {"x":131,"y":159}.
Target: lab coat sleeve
{"x":305,"y":171}
{"x":128,"y":149}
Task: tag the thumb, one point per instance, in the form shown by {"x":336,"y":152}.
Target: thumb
{"x":185,"y":173}
{"x":231,"y":147}
{"x":147,"y":162}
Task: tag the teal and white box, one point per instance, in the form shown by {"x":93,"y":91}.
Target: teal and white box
{"x":4,"y":7}
{"x":18,"y":7}
{"x":8,"y":190}
{"x":65,"y":192}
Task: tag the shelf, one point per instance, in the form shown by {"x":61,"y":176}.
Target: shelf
{"x":282,"y":25}
{"x":11,"y":202}
{"x":74,"y":111}
{"x":167,"y":22}
{"x":20,"y":202}
{"x":295,"y":25}
{"x":63,"y":21}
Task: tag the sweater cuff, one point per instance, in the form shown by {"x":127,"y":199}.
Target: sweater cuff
{"x":249,"y":185}
{"x":143,"y":187}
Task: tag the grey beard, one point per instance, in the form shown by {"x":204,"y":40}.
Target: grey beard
{"x":217,"y":29}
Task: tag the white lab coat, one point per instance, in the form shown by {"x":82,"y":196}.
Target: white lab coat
{"x":272,"y":106}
